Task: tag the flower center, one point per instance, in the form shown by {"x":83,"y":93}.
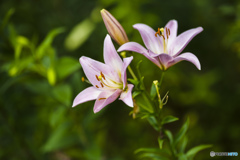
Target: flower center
{"x":160,"y":32}
{"x":107,"y":83}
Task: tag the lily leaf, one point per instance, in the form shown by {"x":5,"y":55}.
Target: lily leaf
{"x":182,"y":132}
{"x":152,"y":120}
{"x":169,"y":119}
{"x":192,"y":152}
{"x":153,"y":92}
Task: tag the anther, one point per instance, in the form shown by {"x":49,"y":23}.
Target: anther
{"x":102,"y":85}
{"x":102,"y":75}
{"x":166,"y":29}
{"x":169,"y":32}
{"x":158,"y":32}
{"x":97,"y":86}
{"x":83,"y":79}
{"x":163,"y":37}
{"x":97,"y":78}
{"x":102,"y":98}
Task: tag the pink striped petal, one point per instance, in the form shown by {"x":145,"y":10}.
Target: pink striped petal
{"x":104,"y":99}
{"x":183,"y":39}
{"x":126,"y":62}
{"x":111,"y":56}
{"x":152,"y":42}
{"x":126,"y":96}
{"x":87,"y":94}
{"x":187,"y":57}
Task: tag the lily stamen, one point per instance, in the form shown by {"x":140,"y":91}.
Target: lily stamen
{"x":96,"y":86}
{"x":102,"y":98}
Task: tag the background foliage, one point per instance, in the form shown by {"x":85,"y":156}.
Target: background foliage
{"x":41,"y":42}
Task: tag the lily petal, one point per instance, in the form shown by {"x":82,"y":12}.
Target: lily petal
{"x":126,"y":96}
{"x":135,"y":47}
{"x":187,"y":57}
{"x":164,"y":59}
{"x":92,"y":68}
{"x":87,"y":94}
{"x":111,"y":56}
{"x":104,"y":99}
{"x":183,"y":39}
{"x":152,"y":42}
{"x":172,"y":26}
{"x":126,"y":62}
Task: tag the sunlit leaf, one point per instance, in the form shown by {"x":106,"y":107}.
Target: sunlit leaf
{"x":170,"y":136}
{"x":51,"y":76}
{"x":79,"y":34}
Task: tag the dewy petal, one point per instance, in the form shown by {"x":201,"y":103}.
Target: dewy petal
{"x":111,"y":56}
{"x":126,"y":62}
{"x":104,"y":99}
{"x":183,"y":39}
{"x":164,"y":59}
{"x":152,"y":42}
{"x":87,"y":94}
{"x":187,"y":57}
{"x":135,"y":47}
{"x":92,"y":68}
{"x":172,"y":26}
{"x":126,"y":96}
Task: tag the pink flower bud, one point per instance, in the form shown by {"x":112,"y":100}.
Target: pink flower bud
{"x":114,"y":28}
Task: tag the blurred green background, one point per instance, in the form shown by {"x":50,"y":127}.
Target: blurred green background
{"x":41,"y":42}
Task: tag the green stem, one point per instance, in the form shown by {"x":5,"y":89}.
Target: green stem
{"x":132,"y":73}
{"x":161,"y":78}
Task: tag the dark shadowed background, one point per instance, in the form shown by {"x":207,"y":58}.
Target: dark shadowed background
{"x":41,"y":42}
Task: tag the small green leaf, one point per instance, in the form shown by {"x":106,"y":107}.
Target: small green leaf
{"x":154,"y":123}
{"x":153,"y":156}
{"x":160,"y":142}
{"x":133,"y":81}
{"x":136,"y":93}
{"x":153,"y":92}
{"x":192,"y":152}
{"x":170,"y":136}
{"x":181,"y":132}
{"x":57,"y":116}
{"x":169,"y":119}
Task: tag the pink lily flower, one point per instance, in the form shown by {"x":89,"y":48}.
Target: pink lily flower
{"x":109,"y":80}
{"x":164,"y":46}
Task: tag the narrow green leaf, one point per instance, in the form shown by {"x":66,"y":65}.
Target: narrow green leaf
{"x":192,"y":152}
{"x":154,"y":123}
{"x":183,"y":144}
{"x":170,"y":136}
{"x":41,"y":50}
{"x":181,"y":132}
{"x":6,"y":18}
{"x":169,"y":119}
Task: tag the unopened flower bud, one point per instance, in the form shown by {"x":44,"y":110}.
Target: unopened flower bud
{"x":114,"y":28}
